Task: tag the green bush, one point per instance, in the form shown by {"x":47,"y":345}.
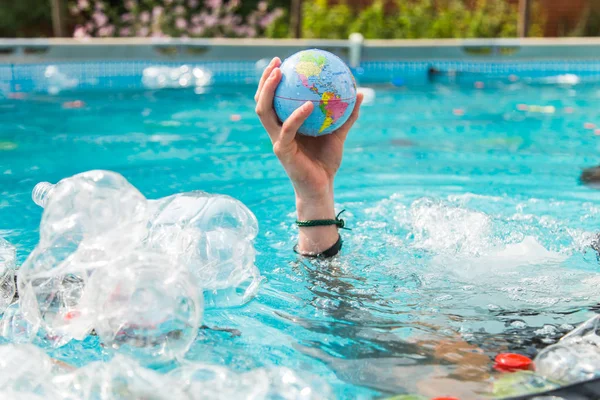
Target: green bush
{"x":25,"y":18}
{"x":412,"y":19}
{"x":323,"y":21}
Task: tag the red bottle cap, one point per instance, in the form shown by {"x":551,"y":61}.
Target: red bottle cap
{"x":512,"y":362}
{"x":445,"y":398}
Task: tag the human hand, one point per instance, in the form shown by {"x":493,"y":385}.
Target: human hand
{"x":310,"y":162}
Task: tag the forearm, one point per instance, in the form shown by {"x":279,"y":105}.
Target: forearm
{"x":316,"y":239}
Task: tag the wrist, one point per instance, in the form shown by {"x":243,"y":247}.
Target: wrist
{"x":315,"y":205}
{"x":316,"y":239}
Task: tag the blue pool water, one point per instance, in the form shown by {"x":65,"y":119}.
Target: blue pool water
{"x":470,"y":231}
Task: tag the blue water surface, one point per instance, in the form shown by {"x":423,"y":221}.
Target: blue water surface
{"x":470,"y":231}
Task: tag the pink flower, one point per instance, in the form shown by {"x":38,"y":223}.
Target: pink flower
{"x":179,"y":10}
{"x":157,"y":11}
{"x":99,"y":6}
{"x":168,"y":2}
{"x":89,"y":26}
{"x":130,"y":4}
{"x":80,"y":32}
{"x":83,"y":4}
{"x":143,"y":31}
{"x":193,"y":3}
{"x":232,"y":5}
{"x":262,"y":6}
{"x":125,"y":31}
{"x":99,"y":18}
{"x":197,"y":30}
{"x":197,"y":19}
{"x":181,"y":23}
{"x":127,"y":17}
{"x":106,"y":31}
{"x":145,"y":17}
{"x":74,"y":10}
{"x":210,"y":21}
{"x":213,"y":4}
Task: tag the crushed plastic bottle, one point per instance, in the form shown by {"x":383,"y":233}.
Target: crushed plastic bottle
{"x":588,"y":332}
{"x":569,"y":362}
{"x":210,"y":382}
{"x":8,"y":256}
{"x":88,"y":219}
{"x":25,"y":370}
{"x":121,"y":378}
{"x":145,"y":307}
{"x":88,"y":207}
{"x":15,"y":327}
{"x":212,"y":235}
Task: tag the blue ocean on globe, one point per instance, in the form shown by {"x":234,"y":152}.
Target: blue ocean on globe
{"x":323,"y":78}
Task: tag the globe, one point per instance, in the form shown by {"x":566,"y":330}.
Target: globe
{"x":323,"y":78}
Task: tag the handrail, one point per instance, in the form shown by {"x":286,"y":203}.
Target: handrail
{"x":24,"y":51}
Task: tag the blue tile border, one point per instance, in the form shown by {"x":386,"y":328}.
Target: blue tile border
{"x":128,"y":74}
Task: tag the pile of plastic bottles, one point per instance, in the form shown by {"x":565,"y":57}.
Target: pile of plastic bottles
{"x":26,"y":372}
{"x":138,"y":273}
{"x":134,"y":271}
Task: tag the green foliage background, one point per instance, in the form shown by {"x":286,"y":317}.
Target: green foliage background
{"x":413,"y":19}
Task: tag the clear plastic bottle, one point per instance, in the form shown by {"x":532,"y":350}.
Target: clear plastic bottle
{"x":211,"y":235}
{"x":145,"y":307}
{"x":88,"y":219}
{"x":568,"y":363}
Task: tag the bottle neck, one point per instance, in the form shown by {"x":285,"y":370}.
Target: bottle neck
{"x":41,"y":193}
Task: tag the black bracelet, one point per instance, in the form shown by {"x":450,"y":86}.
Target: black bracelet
{"x":330,"y":252}
{"x":324,"y":222}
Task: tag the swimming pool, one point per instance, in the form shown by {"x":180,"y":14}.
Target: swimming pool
{"x":470,"y":231}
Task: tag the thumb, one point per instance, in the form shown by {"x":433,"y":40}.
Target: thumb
{"x":294,"y":122}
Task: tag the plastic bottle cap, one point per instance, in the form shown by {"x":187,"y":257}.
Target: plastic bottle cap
{"x":445,"y":398}
{"x":72,"y":315}
{"x":512,"y":361}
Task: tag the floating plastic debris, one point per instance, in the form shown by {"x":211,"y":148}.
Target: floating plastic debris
{"x":212,"y":235}
{"x":509,"y":362}
{"x":576,"y":357}
{"x":184,"y":76}
{"x":142,"y":305}
{"x":209,"y":382}
{"x":121,"y":378}
{"x":8,"y":256}
{"x":88,"y":220}
{"x":565,"y":79}
{"x":73,"y":104}
{"x":536,"y":108}
{"x":569,"y":363}
{"x":25,"y":373}
{"x":521,"y":383}
{"x":15,"y":327}
{"x":588,"y":332}
{"x":135,"y":270}
{"x":57,"y":81}
{"x":368,"y":93}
